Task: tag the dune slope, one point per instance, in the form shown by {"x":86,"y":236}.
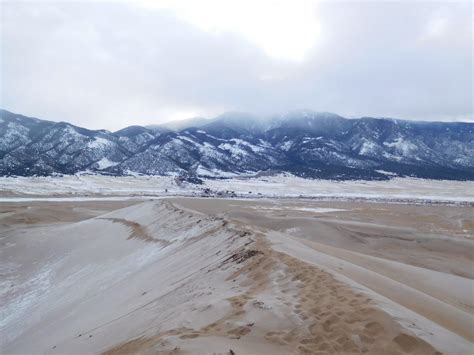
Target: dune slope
{"x":157,"y":277}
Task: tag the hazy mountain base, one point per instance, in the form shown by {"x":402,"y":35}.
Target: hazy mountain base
{"x":97,"y":186}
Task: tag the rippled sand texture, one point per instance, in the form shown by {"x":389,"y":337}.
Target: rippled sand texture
{"x":187,"y":275}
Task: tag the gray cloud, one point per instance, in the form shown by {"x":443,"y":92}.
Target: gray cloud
{"x":108,"y":65}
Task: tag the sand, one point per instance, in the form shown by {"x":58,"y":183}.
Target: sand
{"x":204,"y":276}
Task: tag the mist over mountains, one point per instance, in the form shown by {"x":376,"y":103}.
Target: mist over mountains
{"x":304,"y":143}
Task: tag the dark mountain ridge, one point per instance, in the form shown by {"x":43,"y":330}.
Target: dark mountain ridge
{"x":305,"y":143}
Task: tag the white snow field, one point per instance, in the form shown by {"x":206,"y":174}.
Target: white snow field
{"x":94,"y":186}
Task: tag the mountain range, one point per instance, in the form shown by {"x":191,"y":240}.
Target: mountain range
{"x":303,"y":143}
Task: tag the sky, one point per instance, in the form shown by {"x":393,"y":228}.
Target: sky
{"x":111,"y":64}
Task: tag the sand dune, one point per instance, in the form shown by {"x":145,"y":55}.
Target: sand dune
{"x":215,"y":276}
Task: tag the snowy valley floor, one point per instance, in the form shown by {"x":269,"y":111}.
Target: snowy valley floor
{"x":180,"y":275}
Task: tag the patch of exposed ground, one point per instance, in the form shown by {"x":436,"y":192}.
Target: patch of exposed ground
{"x":137,"y":231}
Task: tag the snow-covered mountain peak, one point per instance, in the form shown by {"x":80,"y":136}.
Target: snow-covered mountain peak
{"x":304,"y":143}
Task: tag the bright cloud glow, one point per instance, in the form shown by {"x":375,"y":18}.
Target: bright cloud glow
{"x":182,"y":115}
{"x":112,"y":63}
{"x":283,"y":29}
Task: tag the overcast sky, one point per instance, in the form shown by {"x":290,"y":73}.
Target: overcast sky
{"x":113,"y":64}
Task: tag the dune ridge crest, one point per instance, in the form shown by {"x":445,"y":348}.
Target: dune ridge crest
{"x":163,"y":277}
